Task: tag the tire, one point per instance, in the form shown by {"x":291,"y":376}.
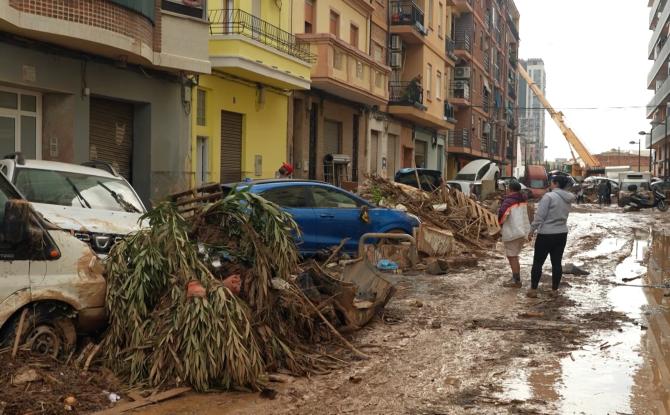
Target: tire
{"x":46,"y":332}
{"x":662,"y":206}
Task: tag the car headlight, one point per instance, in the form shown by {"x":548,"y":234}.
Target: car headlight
{"x":411,"y":215}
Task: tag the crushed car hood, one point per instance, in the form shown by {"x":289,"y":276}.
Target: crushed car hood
{"x":90,"y":220}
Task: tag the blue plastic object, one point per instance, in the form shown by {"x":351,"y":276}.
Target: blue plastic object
{"x":387,"y":265}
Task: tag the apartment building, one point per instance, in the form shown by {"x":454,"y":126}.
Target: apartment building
{"x":531,"y":113}
{"x":658,"y":81}
{"x":240,"y":117}
{"x":484,"y":86}
{"x":103,"y":79}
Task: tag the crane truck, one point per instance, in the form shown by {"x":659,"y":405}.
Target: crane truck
{"x":585,"y":162}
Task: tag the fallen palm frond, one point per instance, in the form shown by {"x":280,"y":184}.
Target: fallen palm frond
{"x":158,"y":333}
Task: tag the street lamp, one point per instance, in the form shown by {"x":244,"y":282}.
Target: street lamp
{"x":639,"y":153}
{"x":644,"y":133}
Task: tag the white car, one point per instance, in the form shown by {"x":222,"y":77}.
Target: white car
{"x":95,"y":203}
{"x":470,"y":177}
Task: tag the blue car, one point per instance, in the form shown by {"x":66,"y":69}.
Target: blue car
{"x":327,"y":214}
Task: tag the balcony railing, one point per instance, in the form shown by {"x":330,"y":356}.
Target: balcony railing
{"x":239,"y":22}
{"x":406,"y":13}
{"x":450,"y":48}
{"x":487,"y":63}
{"x":665,"y":14}
{"x":659,"y":96}
{"x":463,"y":42}
{"x":460,"y":90}
{"x":459,"y":138}
{"x":405,"y":93}
{"x":449,"y":113}
{"x":486,"y":101}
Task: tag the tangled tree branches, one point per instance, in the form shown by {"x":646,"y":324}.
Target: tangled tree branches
{"x":159,"y":332}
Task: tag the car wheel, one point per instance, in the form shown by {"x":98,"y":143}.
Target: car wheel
{"x":45,"y":333}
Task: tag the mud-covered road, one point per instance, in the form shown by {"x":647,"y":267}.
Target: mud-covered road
{"x":463,"y":344}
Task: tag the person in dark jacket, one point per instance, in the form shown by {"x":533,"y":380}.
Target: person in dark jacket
{"x":551,"y":225}
{"x":513,"y":218}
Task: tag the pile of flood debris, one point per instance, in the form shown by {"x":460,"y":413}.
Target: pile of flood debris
{"x":216,"y":298}
{"x":444,"y":209}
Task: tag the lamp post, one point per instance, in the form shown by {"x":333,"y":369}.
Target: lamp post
{"x":639,"y":153}
{"x":644,"y":133}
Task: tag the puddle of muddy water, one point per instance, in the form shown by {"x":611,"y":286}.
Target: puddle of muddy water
{"x":599,"y":377}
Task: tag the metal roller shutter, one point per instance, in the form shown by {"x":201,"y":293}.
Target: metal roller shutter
{"x":231,"y":147}
{"x":111,"y":134}
{"x":332,"y":133}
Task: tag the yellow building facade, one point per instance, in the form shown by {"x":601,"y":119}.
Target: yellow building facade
{"x":240,"y":113}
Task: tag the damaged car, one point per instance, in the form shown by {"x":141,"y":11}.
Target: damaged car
{"x":51,"y":284}
{"x":92,"y":200}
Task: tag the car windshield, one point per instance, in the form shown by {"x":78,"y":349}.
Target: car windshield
{"x":75,"y":189}
{"x":465,"y":177}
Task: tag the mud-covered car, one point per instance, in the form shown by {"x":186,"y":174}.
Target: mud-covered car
{"x":46,"y":271}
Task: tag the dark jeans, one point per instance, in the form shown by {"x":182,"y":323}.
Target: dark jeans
{"x":552,"y":245}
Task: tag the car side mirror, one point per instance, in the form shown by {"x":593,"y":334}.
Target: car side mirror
{"x":20,"y":226}
{"x":365,"y":214}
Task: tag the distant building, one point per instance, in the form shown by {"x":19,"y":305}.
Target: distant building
{"x":531,"y":112}
{"x":658,"y":81}
{"x":614,"y":158}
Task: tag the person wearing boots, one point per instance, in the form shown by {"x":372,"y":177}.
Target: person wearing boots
{"x":513,"y":217}
{"x":551,"y":225}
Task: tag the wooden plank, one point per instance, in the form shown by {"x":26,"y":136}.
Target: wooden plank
{"x":127,"y":406}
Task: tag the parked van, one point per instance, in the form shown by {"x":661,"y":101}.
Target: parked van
{"x":49,"y":273}
{"x":469,"y":179}
{"x":93,"y":201}
{"x":642,"y":181}
{"x":535,"y":178}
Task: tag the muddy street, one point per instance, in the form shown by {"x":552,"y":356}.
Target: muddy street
{"x":460,"y":343}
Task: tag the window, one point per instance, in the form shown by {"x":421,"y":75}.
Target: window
{"x":334,"y":23}
{"x":202,"y":161}
{"x":353,"y":36}
{"x":440,"y":11}
{"x":287,"y":197}
{"x":201,"y":111}
{"x":430,"y":13}
{"x":429,"y":79}
{"x":20,"y":123}
{"x":438,"y":85}
{"x":329,"y":198}
{"x":309,"y":16}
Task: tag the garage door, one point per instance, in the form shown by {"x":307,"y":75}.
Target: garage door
{"x":332,"y":137}
{"x":231,"y":147}
{"x":111,"y":134}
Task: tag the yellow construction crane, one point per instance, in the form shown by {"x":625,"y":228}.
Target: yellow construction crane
{"x":585,"y":160}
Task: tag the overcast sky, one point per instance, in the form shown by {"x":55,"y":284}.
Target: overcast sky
{"x":595,"y":55}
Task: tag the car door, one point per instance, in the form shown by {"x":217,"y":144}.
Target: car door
{"x":293,"y":199}
{"x":339,"y":216}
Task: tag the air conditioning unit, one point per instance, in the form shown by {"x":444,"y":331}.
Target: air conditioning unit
{"x":461,"y":89}
{"x":462,"y":72}
{"x":396,"y":59}
{"x":396,"y":42}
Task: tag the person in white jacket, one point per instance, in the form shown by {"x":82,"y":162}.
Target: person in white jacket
{"x":513,"y":216}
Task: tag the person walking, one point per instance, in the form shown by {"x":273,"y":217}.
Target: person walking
{"x":550,"y":223}
{"x":513,"y":217}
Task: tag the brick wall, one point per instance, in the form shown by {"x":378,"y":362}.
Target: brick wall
{"x":98,"y":13}
{"x":615,"y":159}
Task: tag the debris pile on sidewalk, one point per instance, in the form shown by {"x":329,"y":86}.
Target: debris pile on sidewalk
{"x":209,"y":300}
{"x":447,"y":209}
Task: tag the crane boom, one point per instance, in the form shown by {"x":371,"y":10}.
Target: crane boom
{"x":574,"y":142}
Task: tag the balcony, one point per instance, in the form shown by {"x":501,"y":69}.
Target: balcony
{"x":464,"y":6}
{"x":407,"y":21}
{"x":512,"y":27}
{"x":660,"y":64}
{"x":406,"y":93}
{"x":653,"y":12}
{"x":449,"y":113}
{"x":346,"y":72}
{"x":487,"y":63}
{"x":658,"y":31}
{"x":660,"y":131}
{"x":659,"y":97}
{"x":460,"y":93}
{"x":486,"y":102}
{"x":464,"y":46}
{"x":115,"y":29}
{"x":246,"y":46}
{"x":450,"y":49}
{"x":459,"y":138}
{"x":406,"y":102}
